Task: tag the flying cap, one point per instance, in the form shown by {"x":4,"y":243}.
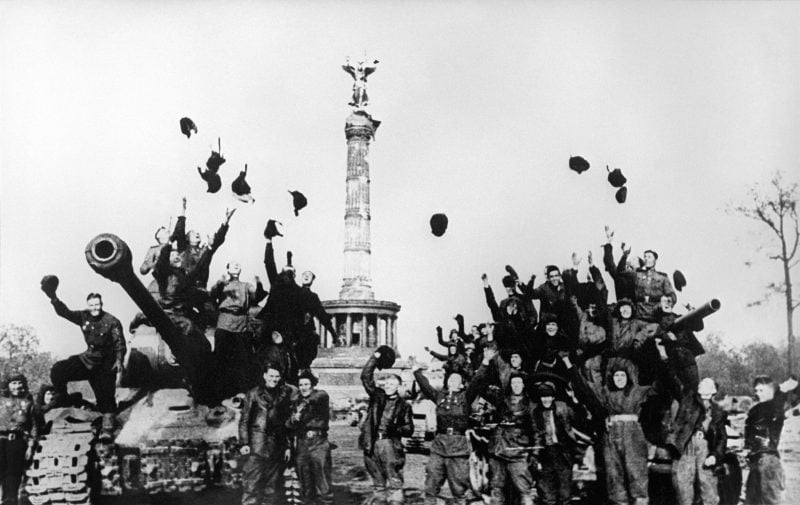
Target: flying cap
{"x":187,"y":127}
{"x":578,"y":164}
{"x":438,"y":224}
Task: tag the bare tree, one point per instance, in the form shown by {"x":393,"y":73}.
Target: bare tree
{"x":776,"y":207}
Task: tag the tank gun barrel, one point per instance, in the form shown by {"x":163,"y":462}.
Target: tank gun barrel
{"x":110,"y":256}
{"x":693,"y":321}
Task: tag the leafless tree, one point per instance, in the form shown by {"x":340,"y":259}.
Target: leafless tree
{"x":776,"y":207}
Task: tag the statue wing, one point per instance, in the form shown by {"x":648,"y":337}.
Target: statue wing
{"x":350,"y":70}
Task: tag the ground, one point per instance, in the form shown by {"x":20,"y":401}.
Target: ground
{"x":352,"y":485}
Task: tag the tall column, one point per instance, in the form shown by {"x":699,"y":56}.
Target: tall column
{"x":359,"y":130}
{"x":393,"y":333}
{"x":348,"y":328}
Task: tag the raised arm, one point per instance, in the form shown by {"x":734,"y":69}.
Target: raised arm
{"x":269,"y":263}
{"x":257,"y":293}
{"x":368,"y":374}
{"x":425,"y":385}
{"x":490,"y":299}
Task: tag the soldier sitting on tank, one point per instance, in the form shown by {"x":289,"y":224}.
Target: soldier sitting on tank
{"x":308,"y":339}
{"x":309,"y":424}
{"x":233,"y":345}
{"x":45,"y":401}
{"x":101,"y":363}
{"x":162,"y":237}
{"x":388,"y":419}
{"x":177,"y":285}
{"x":284,"y":308}
{"x":449,"y":454}
{"x":18,"y":433}
{"x":265,"y":439}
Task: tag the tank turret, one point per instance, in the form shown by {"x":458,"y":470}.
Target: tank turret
{"x":110,"y":256}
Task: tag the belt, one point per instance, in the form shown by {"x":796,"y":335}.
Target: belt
{"x":11,"y":435}
{"x":316,"y":433}
{"x":622,"y":418}
{"x":450,"y":431}
{"x":382,"y":435}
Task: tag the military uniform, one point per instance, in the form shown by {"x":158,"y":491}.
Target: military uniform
{"x":650,"y":285}
{"x":309,"y":422}
{"x":509,"y":447}
{"x":449,"y":456}
{"x":553,"y":434}
{"x":105,"y":347}
{"x":762,"y":435}
{"x":388,"y":419}
{"x":16,"y":425}
{"x":262,"y":427}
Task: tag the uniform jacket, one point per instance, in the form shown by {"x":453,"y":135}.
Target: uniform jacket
{"x":764,"y":424}
{"x":284,"y":309}
{"x":402,"y":422}
{"x":104,"y":338}
{"x":515,"y":430}
{"x":452,"y":411}
{"x":16,"y":414}
{"x":195,"y":259}
{"x":563,"y":416}
{"x":624,"y":279}
{"x":314,"y":412}
{"x":650,"y":286}
{"x":234,"y":299}
{"x":265,"y":413}
{"x":689,"y":421}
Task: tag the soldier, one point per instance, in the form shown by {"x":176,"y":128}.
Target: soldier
{"x":18,"y":433}
{"x":388,"y":419}
{"x":449,"y":456}
{"x":701,"y":437}
{"x":308,"y":338}
{"x":511,"y":441}
{"x":556,"y":444}
{"x":233,"y":345}
{"x":277,"y":351}
{"x":552,"y":295}
{"x":101,"y":363}
{"x":264,"y":437}
{"x":283,"y":309}
{"x":762,"y":435}
{"x":650,"y":284}
{"x":309,"y":421}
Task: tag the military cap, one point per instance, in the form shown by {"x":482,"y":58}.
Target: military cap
{"x":306,"y":374}
{"x":187,"y":127}
{"x":299,"y":201}
{"x":387,"y":357}
{"x":622,"y":194}
{"x":438,"y":224}
{"x":679,"y":280}
{"x":578,"y":164}
{"x":615,"y":177}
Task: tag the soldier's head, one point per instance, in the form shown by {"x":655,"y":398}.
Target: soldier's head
{"x":665,"y":303}
{"x":547,"y":393}
{"x":17,"y":385}
{"x":453,"y":337}
{"x":475,"y":332}
{"x":515,"y":359}
{"x":650,"y":258}
{"x":764,"y":388}
{"x":306,"y":382}
{"x":307,"y":278}
{"x":277,"y":337}
{"x":175,"y":257}
{"x":391,"y":384}
{"x":625,"y":308}
{"x":517,"y":383}
{"x":193,"y":237}
{"x":489,"y":329}
{"x":455,"y":382}
{"x":707,"y":389}
{"x":49,"y":395}
{"x":95,"y":304}
{"x":469,"y":349}
{"x":553,"y":275}
{"x":620,"y":378}
{"x":508,"y":284}
{"x":234,"y":269}
{"x":272,"y":375}
{"x":162,"y":235}
{"x":591,"y":310}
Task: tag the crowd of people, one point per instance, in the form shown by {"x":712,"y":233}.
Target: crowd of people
{"x":539,"y":383}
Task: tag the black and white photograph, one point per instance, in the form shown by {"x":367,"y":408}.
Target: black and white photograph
{"x":399,"y":253}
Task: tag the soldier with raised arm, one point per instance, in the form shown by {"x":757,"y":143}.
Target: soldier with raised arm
{"x":388,"y":419}
{"x":102,"y":361}
{"x":449,"y":457}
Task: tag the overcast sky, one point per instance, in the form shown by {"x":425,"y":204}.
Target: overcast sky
{"x":481,"y":103}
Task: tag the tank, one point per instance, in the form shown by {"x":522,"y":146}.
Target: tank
{"x":175,"y":430}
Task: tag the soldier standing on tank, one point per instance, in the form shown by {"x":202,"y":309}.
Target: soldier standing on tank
{"x":650,"y":285}
{"x":102,"y":363}
{"x":18,"y":433}
{"x":449,"y":457}
{"x":308,"y":338}
{"x":233,"y":346}
{"x":284,"y":308}
{"x":388,"y":419}
{"x":309,"y":421}
{"x":264,"y":437}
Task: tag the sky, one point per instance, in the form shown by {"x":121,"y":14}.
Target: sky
{"x":481,"y":104}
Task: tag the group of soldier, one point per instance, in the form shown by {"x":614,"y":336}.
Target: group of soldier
{"x":537,"y":385}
